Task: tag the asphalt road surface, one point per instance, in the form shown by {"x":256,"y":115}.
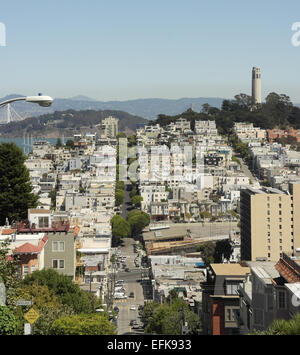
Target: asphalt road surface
{"x":132,"y":283}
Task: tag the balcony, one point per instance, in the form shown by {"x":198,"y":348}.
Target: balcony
{"x":25,"y":227}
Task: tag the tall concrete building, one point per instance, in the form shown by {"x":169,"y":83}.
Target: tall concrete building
{"x":270,"y":222}
{"x":110,"y":127}
{"x":256,"y":86}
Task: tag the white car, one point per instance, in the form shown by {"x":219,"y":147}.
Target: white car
{"x":133,"y":308}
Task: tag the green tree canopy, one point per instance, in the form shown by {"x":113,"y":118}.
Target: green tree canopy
{"x":138,"y":220}
{"x":70,"y":143}
{"x":8,"y":271}
{"x":8,"y":322}
{"x":283,"y":327}
{"x":59,"y":143}
{"x":136,"y":200}
{"x":64,"y":288}
{"x":16,"y":195}
{"x":120,"y":229}
{"x":119,"y":197}
{"x":167,"y":318}
{"x":92,"y":324}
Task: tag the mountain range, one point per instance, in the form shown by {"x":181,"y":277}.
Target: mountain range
{"x":146,"y":108}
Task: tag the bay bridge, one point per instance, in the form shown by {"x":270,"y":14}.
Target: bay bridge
{"x":8,"y":115}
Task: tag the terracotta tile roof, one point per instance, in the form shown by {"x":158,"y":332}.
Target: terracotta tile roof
{"x":28,"y":248}
{"x":76,"y":230}
{"x":8,"y":231}
{"x":287,"y":271}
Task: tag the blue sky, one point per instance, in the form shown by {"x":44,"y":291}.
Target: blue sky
{"x":127,"y":49}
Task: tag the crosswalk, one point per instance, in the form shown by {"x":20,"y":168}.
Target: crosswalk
{"x":121,"y":301}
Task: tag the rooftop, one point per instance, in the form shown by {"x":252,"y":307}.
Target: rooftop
{"x":230,"y":269}
{"x":265,"y":270}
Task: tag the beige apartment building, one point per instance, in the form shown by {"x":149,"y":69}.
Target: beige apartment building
{"x":110,"y":127}
{"x":270,"y":222}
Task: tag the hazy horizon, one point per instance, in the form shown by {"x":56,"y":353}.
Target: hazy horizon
{"x":120,"y":51}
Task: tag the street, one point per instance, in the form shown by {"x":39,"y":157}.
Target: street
{"x":132,"y":283}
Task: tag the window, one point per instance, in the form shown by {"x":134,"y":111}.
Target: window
{"x":281,"y":300}
{"x":44,"y":222}
{"x":33,"y":268}
{"x":58,"y":246}
{"x":58,"y":264}
{"x":25,"y":270}
{"x":232,"y":287}
{"x":228,"y":314}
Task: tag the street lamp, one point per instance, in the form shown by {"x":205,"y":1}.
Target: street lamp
{"x":42,"y":100}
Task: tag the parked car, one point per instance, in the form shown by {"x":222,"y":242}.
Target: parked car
{"x":132,"y":322}
{"x":127,"y":269}
{"x":131,"y":295}
{"x":133,"y":308}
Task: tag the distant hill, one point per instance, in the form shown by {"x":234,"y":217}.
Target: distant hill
{"x":70,"y":122}
{"x":146,"y":108}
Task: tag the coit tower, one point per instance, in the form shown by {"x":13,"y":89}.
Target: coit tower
{"x":256,"y":86}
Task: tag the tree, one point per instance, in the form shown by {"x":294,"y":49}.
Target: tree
{"x":155,"y":323}
{"x":119,"y":197}
{"x":166,"y":318}
{"x":283,"y":327}
{"x":207,"y":252}
{"x":16,"y":195}
{"x":8,"y":271}
{"x":93,"y":324}
{"x":70,"y":143}
{"x":223,"y":250}
{"x":8,"y":322}
{"x":47,"y":316}
{"x":172,"y":324}
{"x":59,"y":143}
{"x":45,"y":302}
{"x":121,"y":135}
{"x":136,"y":200}
{"x":64,"y":288}
{"x":120,"y":229}
{"x":138,"y":220}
